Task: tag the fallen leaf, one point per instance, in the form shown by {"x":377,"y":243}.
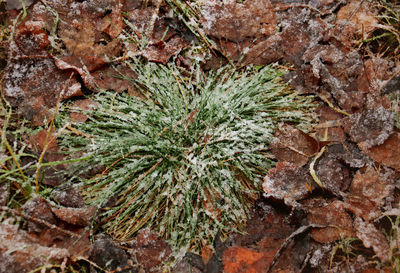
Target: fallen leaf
{"x":332,"y":214}
{"x":287,"y":182}
{"x":360,"y":16}
{"x":109,"y":78}
{"x":23,"y":252}
{"x":298,"y":31}
{"x":39,"y":141}
{"x":81,"y":29}
{"x":368,"y":190}
{"x":150,"y":250}
{"x":35,"y":85}
{"x":107,"y":254}
{"x":372,"y":237}
{"x":68,"y":196}
{"x":31,"y":38}
{"x":333,"y":72}
{"x":329,"y":124}
{"x":292,"y":145}
{"x":239,"y":259}
{"x":75,"y":216}
{"x":236,"y":21}
{"x":16,"y":4}
{"x":161,"y":51}
{"x":370,"y":127}
{"x":39,"y":208}
{"x":112,"y":23}
{"x":86,"y":105}
{"x":331,"y":170}
{"x":388,"y":152}
{"x":374,"y":74}
{"x":82,"y":71}
{"x":206,"y":254}
{"x":90,"y":63}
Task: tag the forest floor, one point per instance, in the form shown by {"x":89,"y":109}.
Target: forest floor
{"x":330,"y":202}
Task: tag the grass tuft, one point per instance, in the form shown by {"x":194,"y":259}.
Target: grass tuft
{"x":188,"y":158}
{"x":385,"y":40}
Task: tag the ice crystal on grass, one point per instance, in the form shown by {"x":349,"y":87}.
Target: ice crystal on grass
{"x":188,"y":157}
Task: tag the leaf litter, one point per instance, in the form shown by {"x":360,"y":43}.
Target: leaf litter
{"x":63,"y":49}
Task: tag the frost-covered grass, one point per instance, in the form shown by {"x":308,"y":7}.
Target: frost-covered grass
{"x":385,"y":39}
{"x":393,"y":239}
{"x":188,"y":158}
{"x":13,"y":172}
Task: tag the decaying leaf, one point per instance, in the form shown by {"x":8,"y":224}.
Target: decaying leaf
{"x":237,"y":259}
{"x":35,"y":85}
{"x":75,"y":216}
{"x":150,"y":250}
{"x":368,"y":190}
{"x":331,"y":214}
{"x":24,"y":252}
{"x":287,"y":182}
{"x":370,"y":127}
{"x":106,"y":254}
{"x":292,"y":145}
{"x":236,"y":21}
{"x":360,"y":15}
{"x":388,"y":152}
{"x":372,"y":237}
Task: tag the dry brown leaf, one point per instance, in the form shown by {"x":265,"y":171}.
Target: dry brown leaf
{"x":236,"y":21}
{"x":292,"y":145}
{"x":368,"y":190}
{"x":288,"y":182}
{"x":388,"y":152}
{"x":332,"y":214}
{"x":372,"y":237}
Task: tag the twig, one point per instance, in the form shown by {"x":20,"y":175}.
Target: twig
{"x":90,"y":262}
{"x":37,"y":220}
{"x":333,"y":107}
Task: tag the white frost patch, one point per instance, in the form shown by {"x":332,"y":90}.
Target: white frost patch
{"x":15,"y":241}
{"x":319,"y":255}
{"x":371,"y":237}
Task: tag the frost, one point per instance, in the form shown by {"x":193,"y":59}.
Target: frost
{"x":18,"y":243}
{"x":318,"y":255}
{"x":370,"y":127}
{"x":287,"y":182}
{"x":371,"y":237}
